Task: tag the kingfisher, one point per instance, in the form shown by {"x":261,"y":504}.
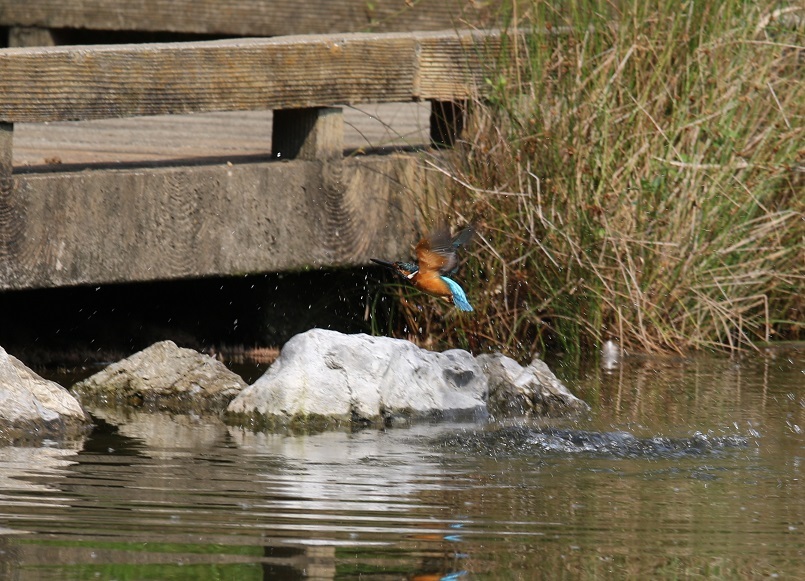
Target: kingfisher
{"x":436,"y":257}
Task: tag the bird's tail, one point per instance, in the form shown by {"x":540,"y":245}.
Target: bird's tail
{"x":459,"y":296}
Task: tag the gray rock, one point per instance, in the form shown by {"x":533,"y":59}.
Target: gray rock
{"x":163,"y":377}
{"x":526,"y":391}
{"x":325,"y":375}
{"x":33,"y":408}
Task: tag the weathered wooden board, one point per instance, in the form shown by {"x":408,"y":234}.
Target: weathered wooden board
{"x":248,"y":17}
{"x":178,"y":138}
{"x":85,"y":82}
{"x":93,"y":227}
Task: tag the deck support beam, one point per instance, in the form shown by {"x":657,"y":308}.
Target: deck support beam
{"x":6,"y":143}
{"x":7,"y":218}
{"x":311,"y":133}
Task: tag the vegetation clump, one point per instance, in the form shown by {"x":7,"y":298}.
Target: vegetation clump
{"x":637,"y":173}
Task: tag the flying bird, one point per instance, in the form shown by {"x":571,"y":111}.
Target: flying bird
{"x":436,"y":257}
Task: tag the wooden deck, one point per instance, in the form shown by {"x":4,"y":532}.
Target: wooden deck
{"x":163,"y":161}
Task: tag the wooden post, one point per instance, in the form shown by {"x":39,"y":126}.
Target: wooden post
{"x":6,"y":158}
{"x":446,"y":122}
{"x":6,"y":190}
{"x":25,"y":36}
{"x":313,"y":133}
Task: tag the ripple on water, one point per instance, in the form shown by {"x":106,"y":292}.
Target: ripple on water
{"x":167,"y":497}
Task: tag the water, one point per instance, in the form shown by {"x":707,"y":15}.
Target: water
{"x":685,"y":469}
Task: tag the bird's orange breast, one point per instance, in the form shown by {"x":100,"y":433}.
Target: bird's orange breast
{"x":431,"y":284}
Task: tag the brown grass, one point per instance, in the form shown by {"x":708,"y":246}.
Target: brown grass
{"x":637,"y":176}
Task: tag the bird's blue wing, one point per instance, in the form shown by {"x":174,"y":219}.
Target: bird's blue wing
{"x":459,"y":297}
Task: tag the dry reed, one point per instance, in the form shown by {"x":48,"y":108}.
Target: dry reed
{"x":637,"y":175}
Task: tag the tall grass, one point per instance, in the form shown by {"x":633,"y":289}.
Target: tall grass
{"x":636,"y":170}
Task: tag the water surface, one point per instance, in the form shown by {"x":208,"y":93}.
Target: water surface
{"x":687,"y":468}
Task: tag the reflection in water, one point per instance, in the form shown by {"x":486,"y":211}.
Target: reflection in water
{"x":685,"y":468}
{"x":26,"y":472}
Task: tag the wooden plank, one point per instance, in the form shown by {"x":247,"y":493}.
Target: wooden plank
{"x":75,"y":83}
{"x":177,"y":138}
{"x":248,"y":17}
{"x":453,"y":67}
{"x":110,"y":226}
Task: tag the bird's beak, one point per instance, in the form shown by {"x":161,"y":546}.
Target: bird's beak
{"x":385,"y":263}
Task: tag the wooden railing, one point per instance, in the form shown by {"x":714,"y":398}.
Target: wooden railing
{"x":63,"y":228}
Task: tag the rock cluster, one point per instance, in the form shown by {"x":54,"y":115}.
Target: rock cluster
{"x":324,"y":374}
{"x":320,"y":378}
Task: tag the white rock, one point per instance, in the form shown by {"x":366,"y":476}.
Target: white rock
{"x":359,"y":377}
{"x":31,"y":403}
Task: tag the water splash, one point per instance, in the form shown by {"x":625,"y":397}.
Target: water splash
{"x":552,"y":441}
